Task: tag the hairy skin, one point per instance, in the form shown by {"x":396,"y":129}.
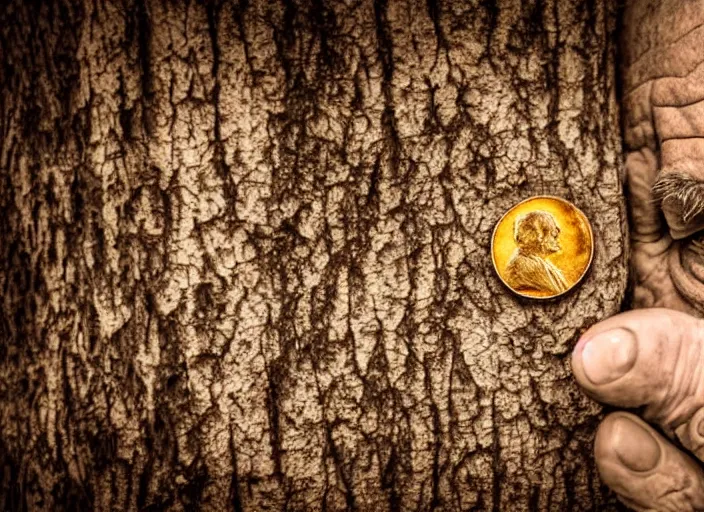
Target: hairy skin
{"x":652,"y":360}
{"x":244,"y":253}
{"x":663,"y":77}
{"x":684,"y":191}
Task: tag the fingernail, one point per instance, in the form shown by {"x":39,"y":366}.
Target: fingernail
{"x":609,"y":355}
{"x":636,"y":448}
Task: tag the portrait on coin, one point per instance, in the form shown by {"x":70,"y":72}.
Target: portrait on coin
{"x":536,"y":235}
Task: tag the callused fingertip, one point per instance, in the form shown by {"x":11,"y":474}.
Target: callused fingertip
{"x":608,"y":356}
{"x":636,"y":447}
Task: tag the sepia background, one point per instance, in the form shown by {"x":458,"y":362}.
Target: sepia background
{"x":244,"y":253}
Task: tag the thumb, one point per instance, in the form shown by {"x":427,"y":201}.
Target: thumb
{"x":650,"y":358}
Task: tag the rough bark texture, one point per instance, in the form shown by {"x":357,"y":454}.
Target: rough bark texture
{"x":244,"y":253}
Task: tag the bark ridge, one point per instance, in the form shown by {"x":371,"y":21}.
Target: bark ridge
{"x":244,"y":253}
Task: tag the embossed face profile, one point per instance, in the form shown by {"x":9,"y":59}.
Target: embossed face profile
{"x":542,"y":247}
{"x":537,"y":233}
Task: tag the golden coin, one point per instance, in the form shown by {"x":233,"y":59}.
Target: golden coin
{"x":542,"y":247}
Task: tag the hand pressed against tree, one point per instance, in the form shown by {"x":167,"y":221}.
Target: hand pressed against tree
{"x":653,"y":359}
{"x":650,"y":358}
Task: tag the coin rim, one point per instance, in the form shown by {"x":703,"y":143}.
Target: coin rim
{"x":586,"y":268}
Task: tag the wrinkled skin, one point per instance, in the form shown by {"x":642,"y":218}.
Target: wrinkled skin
{"x":651,"y":360}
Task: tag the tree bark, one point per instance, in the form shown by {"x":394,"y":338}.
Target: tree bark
{"x":245,"y":253}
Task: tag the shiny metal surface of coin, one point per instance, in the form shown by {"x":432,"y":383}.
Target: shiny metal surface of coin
{"x":542,"y":247}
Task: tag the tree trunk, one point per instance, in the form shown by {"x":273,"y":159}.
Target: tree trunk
{"x":245,"y":253}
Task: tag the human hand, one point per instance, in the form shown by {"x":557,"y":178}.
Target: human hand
{"x":652,"y":360}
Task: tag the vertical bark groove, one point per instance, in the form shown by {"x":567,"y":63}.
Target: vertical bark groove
{"x":244,"y":253}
